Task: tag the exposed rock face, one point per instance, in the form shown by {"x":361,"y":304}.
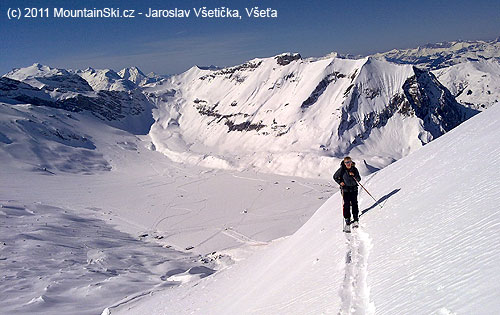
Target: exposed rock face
{"x":423,"y":97}
{"x":234,"y":72}
{"x":109,"y":105}
{"x":430,"y":101}
{"x":475,"y":84}
{"x":244,"y":126}
{"x":65,"y":83}
{"x":318,"y":108}
{"x":286,"y":59}
{"x":13,"y":90}
{"x":320,"y":88}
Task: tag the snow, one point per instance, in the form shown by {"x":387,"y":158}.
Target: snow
{"x":318,"y":109}
{"x":441,"y":55}
{"x":136,"y":76}
{"x":473,"y":83}
{"x":119,"y":216}
{"x":132,"y":74}
{"x":105,"y":79}
{"x":432,"y":248}
{"x":33,"y":72}
{"x":54,"y":261}
{"x":204,"y":193}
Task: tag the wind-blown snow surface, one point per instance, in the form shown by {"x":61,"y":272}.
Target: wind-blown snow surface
{"x":433,"y":248}
{"x":90,"y":217}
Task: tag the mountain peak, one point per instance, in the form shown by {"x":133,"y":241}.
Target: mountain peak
{"x":130,"y":71}
{"x":136,"y":76}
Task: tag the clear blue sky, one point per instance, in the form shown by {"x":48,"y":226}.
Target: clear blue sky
{"x":312,"y":28}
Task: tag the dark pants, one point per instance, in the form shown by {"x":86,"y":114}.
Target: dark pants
{"x":350,"y":200}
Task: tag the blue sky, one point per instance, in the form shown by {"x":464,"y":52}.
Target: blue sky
{"x":312,"y":28}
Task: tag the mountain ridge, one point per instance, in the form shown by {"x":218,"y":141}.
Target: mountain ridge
{"x":319,"y":109}
{"x":241,"y":117}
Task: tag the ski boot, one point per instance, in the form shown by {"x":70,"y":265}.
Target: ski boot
{"x":347,"y":226}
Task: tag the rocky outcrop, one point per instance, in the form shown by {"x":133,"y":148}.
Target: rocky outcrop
{"x":320,"y":88}
{"x":430,"y":101}
{"x":423,"y":96}
{"x":233,"y":72}
{"x":286,"y":59}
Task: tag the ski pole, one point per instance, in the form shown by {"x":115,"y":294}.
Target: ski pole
{"x":368,"y":192}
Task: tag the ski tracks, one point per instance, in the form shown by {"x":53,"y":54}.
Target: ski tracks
{"x":241,"y":238}
{"x":355,"y":293}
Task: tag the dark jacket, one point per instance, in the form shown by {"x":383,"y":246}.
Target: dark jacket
{"x":342,"y":175}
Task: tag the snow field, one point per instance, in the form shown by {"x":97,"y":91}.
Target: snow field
{"x":55,"y":261}
{"x":143,"y":224}
{"x":432,"y":249}
{"x":92,"y":219}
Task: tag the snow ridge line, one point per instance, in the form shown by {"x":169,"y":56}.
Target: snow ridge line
{"x":355,"y":293}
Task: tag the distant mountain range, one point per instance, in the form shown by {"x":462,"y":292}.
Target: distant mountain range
{"x":283,"y":114}
{"x":440,"y":55}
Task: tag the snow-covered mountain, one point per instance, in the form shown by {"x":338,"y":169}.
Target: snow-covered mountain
{"x":105,"y":79}
{"x":40,"y":76}
{"x":432,"y":249}
{"x":473,"y":83}
{"x":297,"y":116}
{"x":136,"y":76}
{"x":283,"y":114}
{"x":440,"y":55}
{"x":127,"y":108}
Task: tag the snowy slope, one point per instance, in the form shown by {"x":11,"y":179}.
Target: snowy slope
{"x":90,"y":216}
{"x":292,"y":116}
{"x":432,"y":249}
{"x":112,"y":220}
{"x":319,"y":109}
{"x":475,"y":83}
{"x":56,"y":260}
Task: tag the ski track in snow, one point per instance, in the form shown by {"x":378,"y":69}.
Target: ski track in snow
{"x":241,"y":237}
{"x":355,"y":292}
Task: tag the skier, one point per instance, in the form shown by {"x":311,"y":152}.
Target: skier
{"x":347,"y":177}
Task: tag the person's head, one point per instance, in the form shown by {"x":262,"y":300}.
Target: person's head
{"x":348,"y":162}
